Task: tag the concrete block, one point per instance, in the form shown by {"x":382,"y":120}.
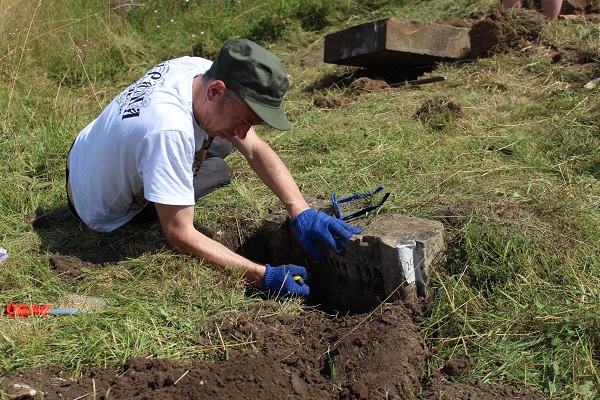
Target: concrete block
{"x":572,"y":6}
{"x":371,"y":271}
{"x":396,"y":41}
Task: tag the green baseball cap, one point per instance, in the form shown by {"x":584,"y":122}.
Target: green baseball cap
{"x":255,"y":74}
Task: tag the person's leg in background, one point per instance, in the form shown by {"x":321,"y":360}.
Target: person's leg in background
{"x":508,"y":4}
{"x":551,"y":8}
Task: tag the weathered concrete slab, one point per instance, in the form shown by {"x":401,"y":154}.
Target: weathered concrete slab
{"x":396,"y":41}
{"x":579,"y":6}
{"x":373,"y":269}
{"x":575,"y":5}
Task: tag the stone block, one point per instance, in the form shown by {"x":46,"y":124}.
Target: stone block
{"x":396,"y":41}
{"x":372,"y":270}
{"x":574,"y":6}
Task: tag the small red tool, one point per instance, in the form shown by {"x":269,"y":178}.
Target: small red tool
{"x":23,"y":310}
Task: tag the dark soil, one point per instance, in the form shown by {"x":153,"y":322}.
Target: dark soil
{"x":500,"y":31}
{"x":438,"y":112}
{"x":307,"y":355}
{"x":70,"y":268}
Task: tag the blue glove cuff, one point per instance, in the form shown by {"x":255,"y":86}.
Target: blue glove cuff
{"x":304,"y":218}
{"x":270,"y":277}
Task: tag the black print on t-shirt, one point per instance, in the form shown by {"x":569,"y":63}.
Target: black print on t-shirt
{"x":134,"y":98}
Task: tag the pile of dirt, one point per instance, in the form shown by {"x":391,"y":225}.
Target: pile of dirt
{"x":501,"y":31}
{"x":365,"y":84}
{"x":438,"y":112}
{"x":328,"y":103}
{"x":356,"y":87}
{"x":70,"y":268}
{"x":378,"y":355}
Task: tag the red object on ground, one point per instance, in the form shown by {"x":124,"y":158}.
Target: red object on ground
{"x":22,"y":310}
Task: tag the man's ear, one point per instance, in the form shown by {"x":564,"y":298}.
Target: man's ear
{"x":215,"y":88}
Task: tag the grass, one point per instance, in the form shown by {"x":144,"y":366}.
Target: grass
{"x":514,"y":179}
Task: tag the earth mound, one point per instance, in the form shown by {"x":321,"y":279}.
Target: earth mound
{"x":306,"y":354}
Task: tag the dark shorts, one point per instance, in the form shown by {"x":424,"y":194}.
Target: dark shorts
{"x":71,"y":206}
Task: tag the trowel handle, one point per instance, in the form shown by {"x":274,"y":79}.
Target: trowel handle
{"x":22,"y":310}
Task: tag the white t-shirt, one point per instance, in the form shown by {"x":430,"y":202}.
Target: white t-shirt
{"x":142,"y":146}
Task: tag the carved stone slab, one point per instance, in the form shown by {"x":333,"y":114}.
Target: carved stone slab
{"x":390,"y":260}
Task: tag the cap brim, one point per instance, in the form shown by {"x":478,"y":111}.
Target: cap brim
{"x":273,"y":116}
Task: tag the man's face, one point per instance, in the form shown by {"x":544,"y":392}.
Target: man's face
{"x":230,"y":117}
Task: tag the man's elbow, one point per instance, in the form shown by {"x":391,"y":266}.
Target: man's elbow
{"x":176,"y":242}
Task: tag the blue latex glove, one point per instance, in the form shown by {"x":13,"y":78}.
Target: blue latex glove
{"x":314,"y":225}
{"x":280,"y":282}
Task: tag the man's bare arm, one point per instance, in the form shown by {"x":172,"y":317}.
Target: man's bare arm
{"x":272,"y":171}
{"x":178,"y":226}
{"x":310,"y":225}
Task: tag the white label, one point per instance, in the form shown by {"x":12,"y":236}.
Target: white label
{"x":406,"y":256}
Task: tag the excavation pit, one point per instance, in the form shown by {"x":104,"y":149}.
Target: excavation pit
{"x":391,"y":260}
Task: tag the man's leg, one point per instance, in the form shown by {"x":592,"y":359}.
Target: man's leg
{"x":551,"y":8}
{"x":215,"y":171}
{"x":219,"y":148}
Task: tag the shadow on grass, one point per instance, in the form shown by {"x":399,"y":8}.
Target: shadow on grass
{"x":64,"y":235}
{"x":391,"y":75}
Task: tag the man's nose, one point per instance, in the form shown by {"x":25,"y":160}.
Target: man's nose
{"x":242,"y":131}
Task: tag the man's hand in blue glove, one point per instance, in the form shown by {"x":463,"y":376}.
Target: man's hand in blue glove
{"x":280,"y":282}
{"x":314,"y":225}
